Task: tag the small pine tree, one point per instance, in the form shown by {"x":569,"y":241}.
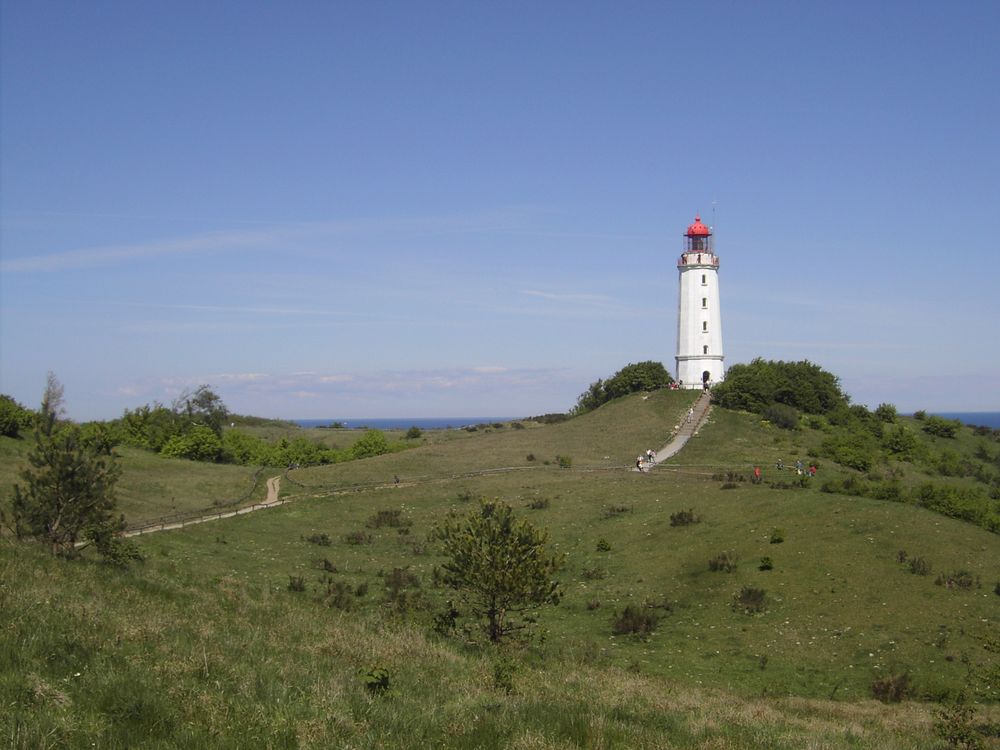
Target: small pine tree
{"x":499,"y":566}
{"x":67,"y":494}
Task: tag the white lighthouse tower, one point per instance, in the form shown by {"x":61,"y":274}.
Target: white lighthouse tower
{"x":699,"y":315}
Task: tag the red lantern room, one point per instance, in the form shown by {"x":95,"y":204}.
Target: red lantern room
{"x":699,"y":238}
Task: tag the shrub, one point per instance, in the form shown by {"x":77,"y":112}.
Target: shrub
{"x":644,"y":376}
{"x":372,"y":443}
{"x":413,"y":433}
{"x":920,"y":415}
{"x":603,"y":545}
{"x":613,"y":511}
{"x":392,"y":518}
{"x":892,"y":688}
{"x":200,"y":444}
{"x":765,"y":564}
{"x":777,"y":536}
{"x":564,"y":462}
{"x":961,"y":579}
{"x":956,"y":725}
{"x":594,"y":574}
{"x":750,"y":600}
{"x":919,"y":566}
{"x":376,"y":680}
{"x":323,"y":540}
{"x":539,"y":503}
{"x":296,"y":583}
{"x":530,"y":457}
{"x":358,"y":537}
{"x":593,"y":604}
{"x":13,"y":417}
{"x":634,"y":620}
{"x":339,"y":595}
{"x":782,"y":415}
{"x":724,"y":561}
{"x":941,"y":427}
{"x":684,"y":518}
{"x":886,"y":413}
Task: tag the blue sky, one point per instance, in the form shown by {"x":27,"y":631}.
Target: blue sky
{"x":332,"y":209}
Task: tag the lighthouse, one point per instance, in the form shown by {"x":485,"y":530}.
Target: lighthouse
{"x":699,"y":315}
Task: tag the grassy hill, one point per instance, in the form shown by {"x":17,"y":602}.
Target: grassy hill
{"x":205,"y":645}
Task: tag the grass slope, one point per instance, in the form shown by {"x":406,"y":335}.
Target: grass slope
{"x":204,"y":645}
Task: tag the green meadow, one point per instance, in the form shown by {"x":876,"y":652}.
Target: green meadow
{"x":311,"y":625}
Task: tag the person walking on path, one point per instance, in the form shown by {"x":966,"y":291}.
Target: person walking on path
{"x":756,"y":475}
{"x":650,"y":456}
{"x":638,"y":463}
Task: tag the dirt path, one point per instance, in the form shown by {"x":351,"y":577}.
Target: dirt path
{"x":687,"y":429}
{"x":272,"y":499}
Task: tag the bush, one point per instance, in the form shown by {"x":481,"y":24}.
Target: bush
{"x":372,"y":443}
{"x":644,"y":376}
{"x":781,"y":415}
{"x":339,"y":595}
{"x":322,"y":540}
{"x":413,"y":433}
{"x":750,"y":600}
{"x":919,"y":566}
{"x":941,"y":427}
{"x":13,"y":417}
{"x":358,"y":537}
{"x":603,"y":545}
{"x":634,"y":620}
{"x":724,"y":561}
{"x":200,"y":444}
{"x":539,"y":503}
{"x":376,"y":680}
{"x":564,"y":462}
{"x":613,"y":511}
{"x":801,"y":385}
{"x":777,"y":536}
{"x":684,"y":518}
{"x":391,"y":518}
{"x":765,"y":564}
{"x":594,"y":574}
{"x":530,"y":457}
{"x":886,"y":413}
{"x":961,"y":579}
{"x":296,"y":583}
{"x":892,"y":688}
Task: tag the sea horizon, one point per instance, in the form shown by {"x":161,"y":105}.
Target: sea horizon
{"x":404,"y":423}
{"x":989,"y":419}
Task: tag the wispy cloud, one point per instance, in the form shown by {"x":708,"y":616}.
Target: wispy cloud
{"x":572,"y":298}
{"x":114,"y":254}
{"x":277,"y":236}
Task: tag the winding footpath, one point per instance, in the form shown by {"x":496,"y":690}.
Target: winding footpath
{"x":273,"y":489}
{"x":687,"y":429}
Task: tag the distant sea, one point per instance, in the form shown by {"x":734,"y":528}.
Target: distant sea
{"x":404,"y":423}
{"x":978,"y":418}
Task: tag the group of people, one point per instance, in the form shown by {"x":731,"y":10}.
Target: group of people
{"x":646,"y":459}
{"x":780,"y":466}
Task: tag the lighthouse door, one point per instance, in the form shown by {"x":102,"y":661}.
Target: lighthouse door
{"x":705,"y":377}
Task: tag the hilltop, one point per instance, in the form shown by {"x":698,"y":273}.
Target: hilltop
{"x":206,"y":643}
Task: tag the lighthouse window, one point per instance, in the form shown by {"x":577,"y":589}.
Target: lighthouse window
{"x":704,"y":350}
{"x":704,"y":302}
{"x":703,"y":282}
{"x":704,"y":326}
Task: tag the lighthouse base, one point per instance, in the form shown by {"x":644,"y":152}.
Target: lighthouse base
{"x":699,"y":371}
